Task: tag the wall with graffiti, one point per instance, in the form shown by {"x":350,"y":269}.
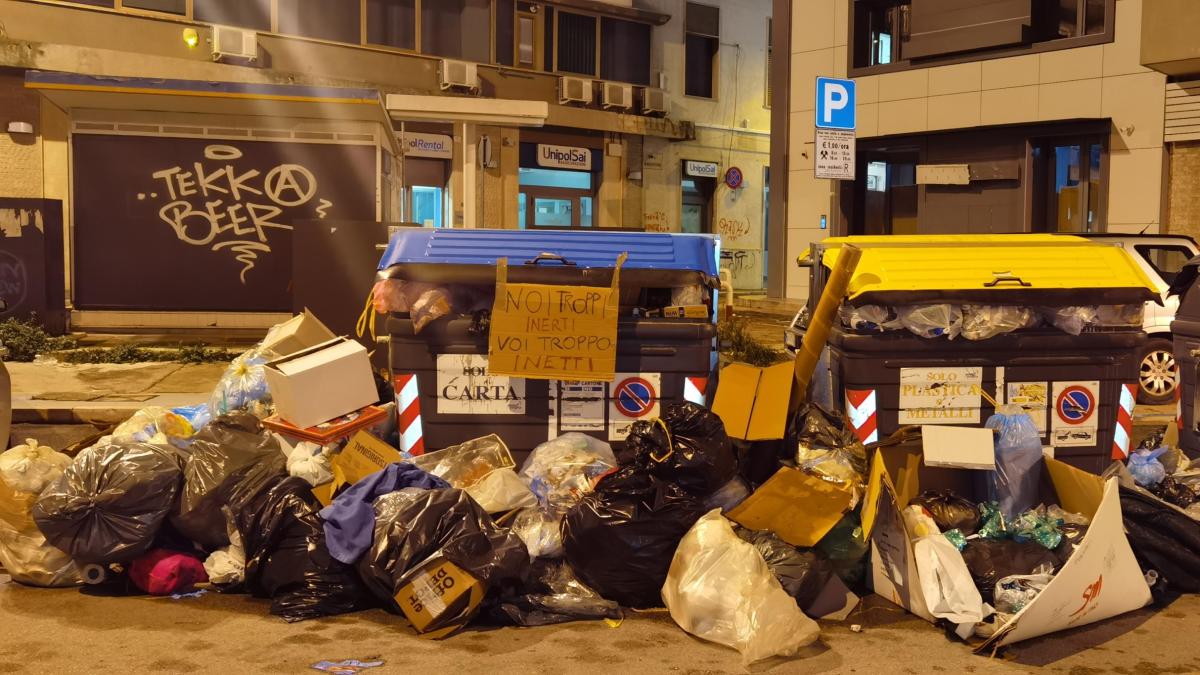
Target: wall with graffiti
{"x":31,"y":262}
{"x":195,"y":224}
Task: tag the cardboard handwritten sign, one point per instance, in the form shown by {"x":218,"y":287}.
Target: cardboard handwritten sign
{"x":549,"y":332}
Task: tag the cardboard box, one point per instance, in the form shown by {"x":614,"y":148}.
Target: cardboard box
{"x":363,"y":455}
{"x":439,"y":597}
{"x":320,"y":383}
{"x":1102,"y":578}
{"x":753,"y":402}
{"x":297,"y":334}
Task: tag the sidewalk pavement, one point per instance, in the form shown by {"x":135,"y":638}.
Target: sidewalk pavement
{"x":61,"y":393}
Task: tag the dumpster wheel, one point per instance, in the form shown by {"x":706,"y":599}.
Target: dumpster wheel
{"x":1157,"y":373}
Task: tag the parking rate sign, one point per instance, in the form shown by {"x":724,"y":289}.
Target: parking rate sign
{"x":835,"y":104}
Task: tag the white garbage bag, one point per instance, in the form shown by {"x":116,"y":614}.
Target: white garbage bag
{"x":25,"y":471}
{"x":227,"y":566}
{"x":308,"y":461}
{"x":720,"y":589}
{"x":946,"y":582}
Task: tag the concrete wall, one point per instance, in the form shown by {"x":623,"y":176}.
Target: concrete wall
{"x":1095,"y":82}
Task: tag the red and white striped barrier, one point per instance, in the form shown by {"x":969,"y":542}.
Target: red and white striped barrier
{"x":694,"y":389}
{"x":863,"y":413}
{"x":408,"y":405}
{"x":1123,"y":432}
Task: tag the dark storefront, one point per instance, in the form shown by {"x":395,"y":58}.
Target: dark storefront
{"x":1029,"y":178}
{"x":197,"y":224}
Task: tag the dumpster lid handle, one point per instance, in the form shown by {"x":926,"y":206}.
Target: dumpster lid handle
{"x":549,"y":257}
{"x":1006,"y":277}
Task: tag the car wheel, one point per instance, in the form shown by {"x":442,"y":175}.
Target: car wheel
{"x":1157,"y":376}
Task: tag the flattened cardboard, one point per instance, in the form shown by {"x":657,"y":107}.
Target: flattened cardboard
{"x":439,"y":597}
{"x":322,"y":382}
{"x":800,"y":508}
{"x":958,"y":447}
{"x":753,"y":402}
{"x":363,"y":455}
{"x":297,"y":334}
{"x":1100,"y":580}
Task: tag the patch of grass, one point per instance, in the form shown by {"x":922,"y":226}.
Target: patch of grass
{"x":738,"y":344}
{"x":24,"y":340}
{"x":130,"y":354}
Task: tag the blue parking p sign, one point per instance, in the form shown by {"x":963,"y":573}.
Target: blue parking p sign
{"x":835,"y":103}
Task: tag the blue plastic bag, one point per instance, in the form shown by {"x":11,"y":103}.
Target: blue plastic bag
{"x":1014,"y":483}
{"x":1146,"y":469}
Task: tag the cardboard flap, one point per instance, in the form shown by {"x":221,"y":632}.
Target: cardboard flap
{"x":297,"y":333}
{"x":1101,"y":580}
{"x":800,"y":508}
{"x":281,"y":364}
{"x":753,"y":402}
{"x":1078,"y":491}
{"x":958,"y":447}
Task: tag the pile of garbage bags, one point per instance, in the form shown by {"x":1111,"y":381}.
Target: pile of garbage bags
{"x":981,"y":322}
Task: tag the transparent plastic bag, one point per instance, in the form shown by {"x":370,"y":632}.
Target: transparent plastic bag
{"x":468,"y":463}
{"x":868,"y":318}
{"x":501,"y":490}
{"x":720,"y":589}
{"x":932,"y":321}
{"x":1013,"y":593}
{"x":1121,"y":316}
{"x":155,"y":425}
{"x":388,"y":296}
{"x":560,"y":472}
{"x":24,"y":553}
{"x":981,"y":322}
{"x":31,"y":467}
{"x":1014,"y":483}
{"x":827,"y":448}
{"x":1145,"y":467}
{"x":541,"y":530}
{"x":243,"y":386}
{"x":227,"y":566}
{"x":688,"y":295}
{"x":1070,"y":320}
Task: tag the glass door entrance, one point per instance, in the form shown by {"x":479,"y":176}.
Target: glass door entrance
{"x":553,"y":198}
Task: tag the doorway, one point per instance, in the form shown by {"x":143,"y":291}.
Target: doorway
{"x":555,"y":198}
{"x":695,"y":214}
{"x":425,"y":191}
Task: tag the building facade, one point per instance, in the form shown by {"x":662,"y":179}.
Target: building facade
{"x":988,"y":117}
{"x":187,"y":140}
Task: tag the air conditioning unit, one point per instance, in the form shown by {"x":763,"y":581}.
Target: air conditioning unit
{"x":234,"y":44}
{"x":574,"y":90}
{"x":654,"y":101}
{"x":617,"y":95}
{"x":459,"y":75}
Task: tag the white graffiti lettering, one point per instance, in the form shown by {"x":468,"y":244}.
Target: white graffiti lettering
{"x":218,"y":207}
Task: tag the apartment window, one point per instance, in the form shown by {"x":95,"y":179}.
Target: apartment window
{"x":1058,"y":19}
{"x":702,"y":40}
{"x":457,"y":29}
{"x":252,"y":14}
{"x":505,"y":31}
{"x":625,"y":51}
{"x":767,"y":75}
{"x":878,"y":27}
{"x":576,"y":47}
{"x":335,"y":20}
{"x":392,"y":23}
{"x":165,"y":6}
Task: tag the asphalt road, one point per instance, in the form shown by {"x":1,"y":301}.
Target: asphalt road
{"x":66,"y":631}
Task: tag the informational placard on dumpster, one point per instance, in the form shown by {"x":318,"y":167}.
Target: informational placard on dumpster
{"x":940,"y":395}
{"x":1034,"y":398}
{"x":550,"y":332}
{"x":1074,"y":420}
{"x":464,"y":387}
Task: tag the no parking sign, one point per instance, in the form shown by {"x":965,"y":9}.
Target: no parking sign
{"x":1074,"y":420}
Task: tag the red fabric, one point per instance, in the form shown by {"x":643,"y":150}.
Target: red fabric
{"x":163,"y":572}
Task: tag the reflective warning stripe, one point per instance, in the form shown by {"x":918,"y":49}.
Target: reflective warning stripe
{"x":408,"y":403}
{"x":860,"y":406}
{"x":694,"y":389}
{"x":1124,"y":429}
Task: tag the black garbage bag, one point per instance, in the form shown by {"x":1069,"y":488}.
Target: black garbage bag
{"x":110,"y":503}
{"x":225,"y":446}
{"x":1174,"y":492}
{"x":990,"y":560}
{"x":286,"y":557}
{"x":551,"y":594}
{"x":1163,"y":539}
{"x":826,"y":446}
{"x":949,"y":511}
{"x":620,"y":539}
{"x":803,"y":573}
{"x":687,"y":446}
{"x":436,"y":555}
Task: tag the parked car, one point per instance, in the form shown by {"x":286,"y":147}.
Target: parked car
{"x":1160,"y":256}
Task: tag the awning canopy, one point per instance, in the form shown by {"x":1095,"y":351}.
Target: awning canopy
{"x":74,"y":91}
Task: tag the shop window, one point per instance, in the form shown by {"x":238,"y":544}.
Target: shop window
{"x":335,"y":20}
{"x":392,"y":23}
{"x":165,"y":6}
{"x":252,"y":14}
{"x":624,"y":51}
{"x":576,"y":44}
{"x":1067,"y":185}
{"x":702,"y":41}
{"x":457,"y":29}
